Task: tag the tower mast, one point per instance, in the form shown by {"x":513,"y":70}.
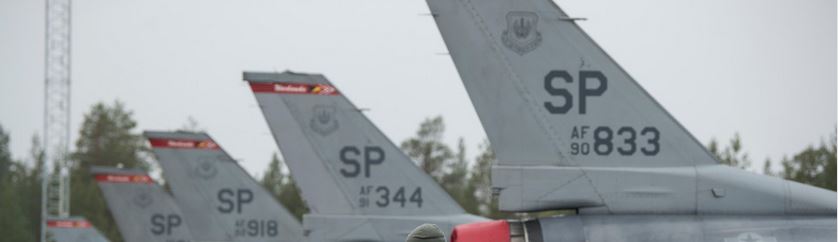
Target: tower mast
{"x":55,"y":193}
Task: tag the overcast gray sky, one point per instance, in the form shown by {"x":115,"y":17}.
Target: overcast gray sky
{"x":763,"y":68}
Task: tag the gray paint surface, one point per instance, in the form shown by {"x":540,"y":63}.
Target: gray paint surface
{"x":508,"y":89}
{"x":359,"y":185}
{"x":662,"y":228}
{"x":543,"y":89}
{"x":571,"y":129}
{"x":775,"y":74}
{"x":74,"y":234}
{"x":142,"y":210}
{"x":216,"y":195}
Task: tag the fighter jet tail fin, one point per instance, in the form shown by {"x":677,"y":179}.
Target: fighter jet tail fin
{"x":547,"y":94}
{"x":142,"y":210}
{"x":571,"y":129}
{"x":72,"y":229}
{"x":341,"y":161}
{"x":216,"y":195}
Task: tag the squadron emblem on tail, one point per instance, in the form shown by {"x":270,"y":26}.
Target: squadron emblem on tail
{"x":521,"y":34}
{"x":323,"y":121}
{"x":206,"y":169}
{"x":143,"y":199}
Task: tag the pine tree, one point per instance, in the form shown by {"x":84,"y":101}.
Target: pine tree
{"x":480,"y":183}
{"x":282,"y":187}
{"x":32,"y":187}
{"x":272,"y":179}
{"x":290,"y":197}
{"x":5,"y":155}
{"x":732,"y":155}
{"x":428,"y":149}
{"x":106,"y":138}
{"x":14,"y":222}
{"x":454,"y":180}
{"x":814,"y":166}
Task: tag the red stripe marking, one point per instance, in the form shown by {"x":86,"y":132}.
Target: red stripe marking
{"x":293,"y":88}
{"x":122,"y":178}
{"x":72,"y":224}
{"x":183,"y":144}
{"x":259,"y":87}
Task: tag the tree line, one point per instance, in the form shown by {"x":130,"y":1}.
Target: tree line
{"x":108,"y":137}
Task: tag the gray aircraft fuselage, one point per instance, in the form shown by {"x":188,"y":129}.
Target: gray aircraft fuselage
{"x":571,"y":129}
{"x":72,"y":229}
{"x":358,"y":185}
{"x":652,"y":228}
{"x":382,"y":228}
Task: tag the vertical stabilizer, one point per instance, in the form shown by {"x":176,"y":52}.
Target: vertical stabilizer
{"x":571,"y":129}
{"x":72,"y":229}
{"x":213,"y":191}
{"x":142,"y":210}
{"x":341,"y":161}
{"x":547,"y":94}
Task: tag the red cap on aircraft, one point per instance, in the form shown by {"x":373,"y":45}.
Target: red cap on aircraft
{"x":68,"y":223}
{"x":123,"y":178}
{"x":491,"y":231}
{"x":183,"y":144}
{"x":293,"y":88}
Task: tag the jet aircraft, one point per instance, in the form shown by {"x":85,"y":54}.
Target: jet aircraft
{"x":572,"y":130}
{"x":72,"y":229}
{"x":142,"y":210}
{"x":357,"y":183}
{"x":216,"y":195}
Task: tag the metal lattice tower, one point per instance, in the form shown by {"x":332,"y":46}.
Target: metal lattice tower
{"x":56,"y":202}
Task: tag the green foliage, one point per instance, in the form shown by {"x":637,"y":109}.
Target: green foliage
{"x":283,"y":188}
{"x":814,"y":166}
{"x":273,"y":179}
{"x":106,"y":138}
{"x":428,"y":149}
{"x":290,"y":197}
{"x":449,"y":169}
{"x":481,"y":184}
{"x":20,"y":186}
{"x":732,"y":155}
{"x":455,"y":179}
{"x":766,"y":168}
{"x":469,"y":185}
{"x":5,"y":155}
{"x":13,"y":217}
{"x":32,"y":187}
